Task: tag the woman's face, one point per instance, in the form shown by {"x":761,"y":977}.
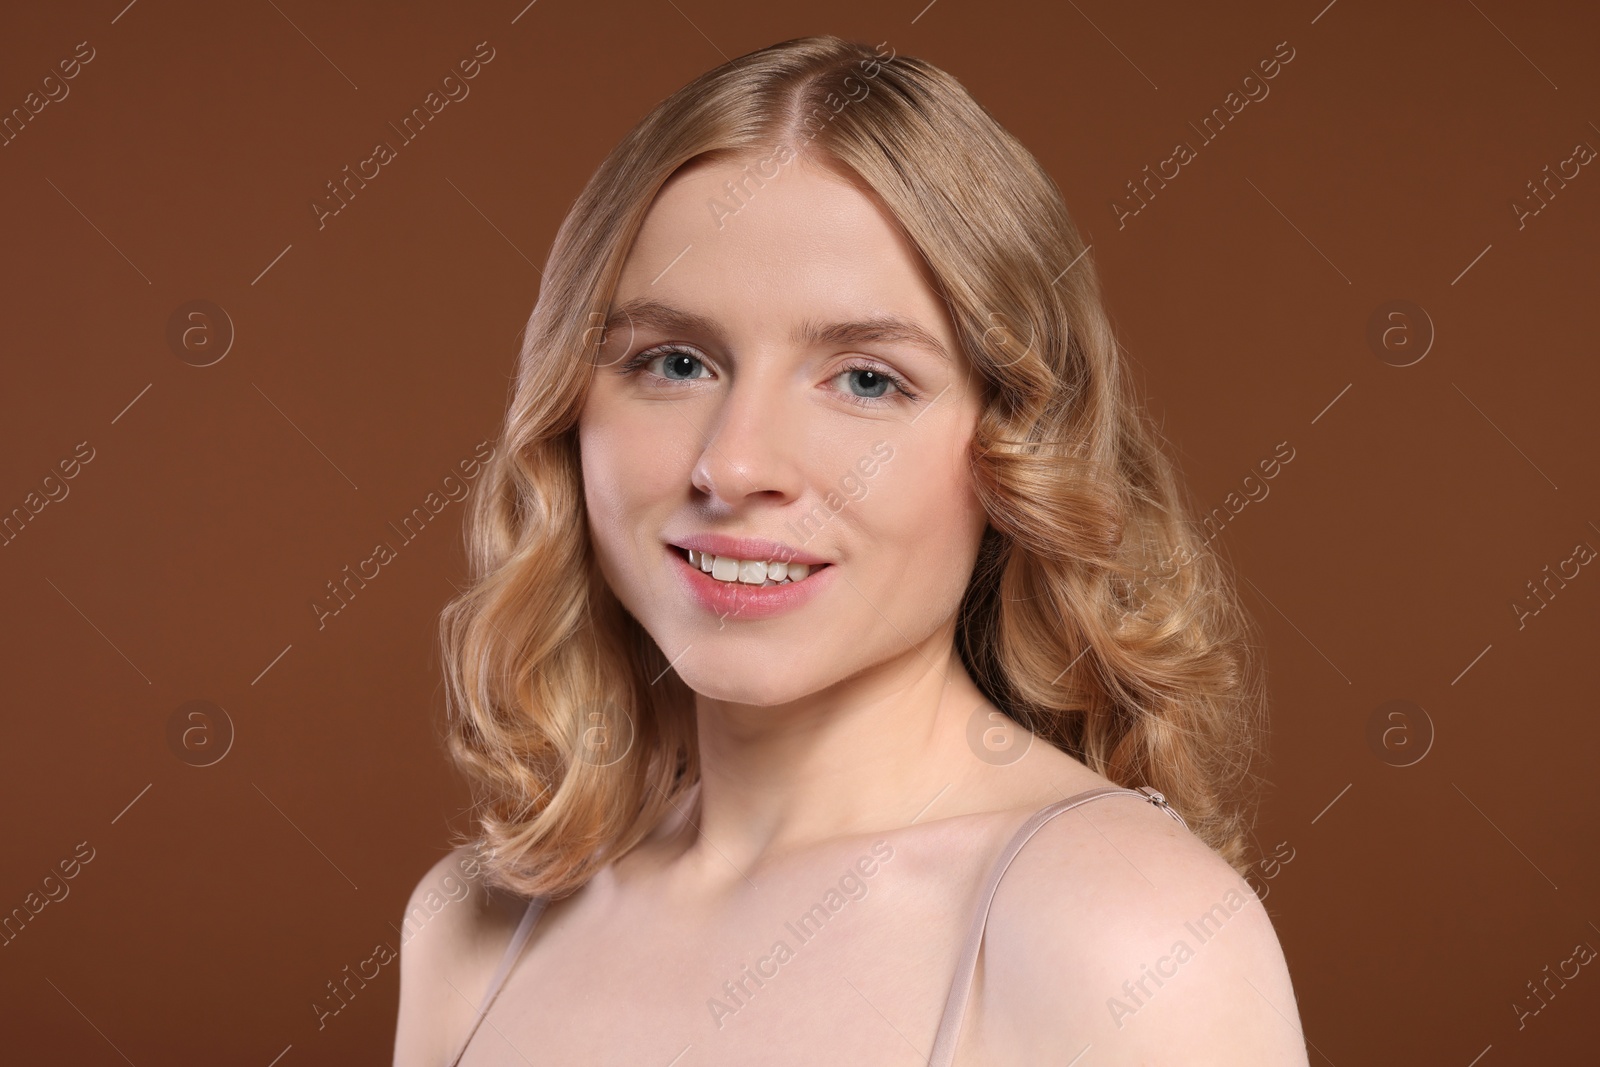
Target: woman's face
{"x":772,"y":371}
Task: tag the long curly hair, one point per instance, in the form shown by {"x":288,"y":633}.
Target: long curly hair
{"x":1096,"y":616}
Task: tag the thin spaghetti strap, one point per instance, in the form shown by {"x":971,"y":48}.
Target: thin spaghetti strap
{"x":955,"y":1007}
{"x":507,"y":960}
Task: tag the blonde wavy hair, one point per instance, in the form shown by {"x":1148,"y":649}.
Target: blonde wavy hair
{"x":1095,"y":617}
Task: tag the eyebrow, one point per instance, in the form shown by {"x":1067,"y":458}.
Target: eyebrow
{"x":875,"y":329}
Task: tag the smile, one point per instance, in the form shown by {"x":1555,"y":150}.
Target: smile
{"x":748,"y":571}
{"x":741,"y":589}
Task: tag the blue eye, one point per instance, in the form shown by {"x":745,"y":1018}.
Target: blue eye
{"x":879,"y":381}
{"x":673,"y":359}
{"x":679,"y":365}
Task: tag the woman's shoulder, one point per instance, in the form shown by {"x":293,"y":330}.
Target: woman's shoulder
{"x":1115,"y":927}
{"x":452,"y":936}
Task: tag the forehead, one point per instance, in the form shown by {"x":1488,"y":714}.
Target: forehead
{"x":748,"y":243}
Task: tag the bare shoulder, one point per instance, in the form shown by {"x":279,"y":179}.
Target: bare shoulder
{"x":452,"y":935}
{"x":1115,"y":928}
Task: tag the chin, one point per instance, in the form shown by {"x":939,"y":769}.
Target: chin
{"x":755,"y":685}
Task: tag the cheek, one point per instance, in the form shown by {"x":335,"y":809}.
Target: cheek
{"x":921,"y":504}
{"x":607,"y":483}
{"x":631,"y":471}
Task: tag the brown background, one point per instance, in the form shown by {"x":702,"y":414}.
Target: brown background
{"x":372,"y":355}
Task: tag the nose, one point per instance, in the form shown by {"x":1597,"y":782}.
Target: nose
{"x":753,"y":445}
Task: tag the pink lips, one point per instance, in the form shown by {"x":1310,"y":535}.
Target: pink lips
{"x":736,"y":600}
{"x":746,"y":548}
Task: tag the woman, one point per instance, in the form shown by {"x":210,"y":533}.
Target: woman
{"x":831,"y":595}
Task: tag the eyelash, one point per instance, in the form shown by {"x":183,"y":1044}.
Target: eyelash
{"x":650,"y":355}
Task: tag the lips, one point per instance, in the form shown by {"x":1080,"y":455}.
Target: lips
{"x":738,"y":601}
{"x":751,"y":548}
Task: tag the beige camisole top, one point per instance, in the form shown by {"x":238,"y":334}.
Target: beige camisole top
{"x":944,"y":1043}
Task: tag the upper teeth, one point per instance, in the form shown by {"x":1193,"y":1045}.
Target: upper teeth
{"x":748,"y":571}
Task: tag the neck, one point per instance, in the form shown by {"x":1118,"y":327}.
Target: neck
{"x":873,"y":752}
